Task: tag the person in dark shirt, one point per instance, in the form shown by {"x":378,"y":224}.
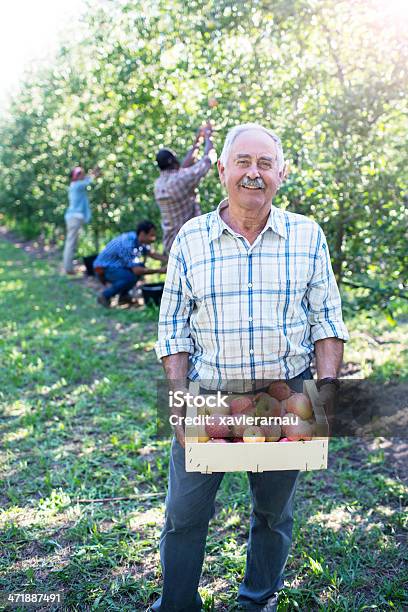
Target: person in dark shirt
{"x":122,"y":262}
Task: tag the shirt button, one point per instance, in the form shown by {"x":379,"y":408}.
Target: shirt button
{"x":251,"y":351}
{"x":250,"y":319}
{"x":249,"y":285}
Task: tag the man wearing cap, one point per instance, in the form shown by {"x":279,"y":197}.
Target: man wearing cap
{"x":78,"y":212}
{"x":175,"y":189}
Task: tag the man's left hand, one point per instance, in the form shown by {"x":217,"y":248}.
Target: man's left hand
{"x":327,"y":401}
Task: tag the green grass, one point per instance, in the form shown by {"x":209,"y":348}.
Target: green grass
{"x":77,"y":393}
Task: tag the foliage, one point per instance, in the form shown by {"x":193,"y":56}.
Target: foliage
{"x":81,"y":425}
{"x":330,"y":77}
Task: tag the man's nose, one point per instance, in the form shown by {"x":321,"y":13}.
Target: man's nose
{"x":253,"y":171}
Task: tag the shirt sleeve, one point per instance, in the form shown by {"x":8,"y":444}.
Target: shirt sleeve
{"x":176,"y":308}
{"x":83,"y":183}
{"x":191,"y":176}
{"x":325,"y":316}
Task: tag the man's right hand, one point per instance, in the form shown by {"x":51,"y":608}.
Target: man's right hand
{"x":180,"y":434}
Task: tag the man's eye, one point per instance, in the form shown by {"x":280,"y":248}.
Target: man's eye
{"x":265,"y":165}
{"x":242,"y":162}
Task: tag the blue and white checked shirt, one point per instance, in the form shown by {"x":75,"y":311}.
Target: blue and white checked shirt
{"x":248,"y":312}
{"x":123,"y":251}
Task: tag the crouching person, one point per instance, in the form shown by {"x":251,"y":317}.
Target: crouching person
{"x":122,"y":262}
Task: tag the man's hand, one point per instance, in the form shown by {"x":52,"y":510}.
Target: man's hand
{"x":327,"y":401}
{"x":162,"y":270}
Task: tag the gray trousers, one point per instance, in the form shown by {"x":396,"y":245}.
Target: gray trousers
{"x":74,"y":225}
{"x":189,"y":508}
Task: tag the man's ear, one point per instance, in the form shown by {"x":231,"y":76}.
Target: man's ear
{"x":284,"y":173}
{"x":221,"y":172}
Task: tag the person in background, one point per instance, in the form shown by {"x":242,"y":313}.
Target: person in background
{"x":122,"y":262}
{"x":175,"y":190}
{"x":77,"y":213}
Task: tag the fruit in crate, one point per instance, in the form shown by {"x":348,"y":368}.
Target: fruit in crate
{"x":218,"y":440}
{"x":219,"y":409}
{"x":201,"y":434}
{"x":242,"y":405}
{"x":253,"y":434}
{"x":267,"y":406}
{"x":237,"y":440}
{"x":272,"y":433}
{"x":299,"y":404}
{"x":216,"y":428}
{"x":296,"y":429}
{"x":279,"y":390}
{"x":239,"y":425}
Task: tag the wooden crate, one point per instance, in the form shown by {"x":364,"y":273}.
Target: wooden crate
{"x":260,"y":457}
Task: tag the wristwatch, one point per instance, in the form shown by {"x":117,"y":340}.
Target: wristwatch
{"x":327,"y":381}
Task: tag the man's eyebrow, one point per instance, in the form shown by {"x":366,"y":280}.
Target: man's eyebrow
{"x":247,"y":156}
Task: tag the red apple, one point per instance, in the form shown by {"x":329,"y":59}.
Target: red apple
{"x":216,"y":428}
{"x":253,"y":434}
{"x":279,"y":390}
{"x":267,"y":406}
{"x":236,"y":440}
{"x":284,"y":440}
{"x":299,"y":404}
{"x":218,"y":440}
{"x":242,"y":405}
{"x":272,"y":432}
{"x":302,"y":430}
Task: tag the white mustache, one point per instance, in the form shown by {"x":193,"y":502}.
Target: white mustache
{"x":258,"y":182}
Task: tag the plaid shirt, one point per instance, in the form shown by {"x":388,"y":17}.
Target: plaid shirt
{"x":176,"y":196}
{"x":248,"y":312}
{"x":122,"y":252}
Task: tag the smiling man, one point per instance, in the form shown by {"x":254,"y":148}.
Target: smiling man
{"x":249,"y":297}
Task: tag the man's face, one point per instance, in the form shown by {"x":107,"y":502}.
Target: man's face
{"x":147,"y":238}
{"x":251,"y":174}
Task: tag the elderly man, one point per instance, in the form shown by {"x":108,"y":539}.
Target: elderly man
{"x":250,"y":295}
{"x":78,"y":212}
{"x":176,"y":188}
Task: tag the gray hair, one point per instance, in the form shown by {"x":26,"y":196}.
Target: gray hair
{"x":238,"y":129}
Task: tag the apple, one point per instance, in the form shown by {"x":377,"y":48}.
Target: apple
{"x":302,"y":430}
{"x":267,"y":406}
{"x":236,"y":440}
{"x":221,"y":409}
{"x":279,"y":390}
{"x":243,"y":405}
{"x":216,"y":428}
{"x":272,"y":432}
{"x":253,"y":434}
{"x":218,"y":440}
{"x":299,"y":404}
{"x":284,"y":440}
{"x":201,"y":433}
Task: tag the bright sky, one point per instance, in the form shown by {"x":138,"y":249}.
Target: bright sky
{"x":29,"y":31}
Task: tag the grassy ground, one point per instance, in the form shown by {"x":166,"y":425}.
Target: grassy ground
{"x":77,"y":392}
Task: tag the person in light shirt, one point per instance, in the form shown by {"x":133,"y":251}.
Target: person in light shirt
{"x":250,"y":296}
{"x":78,"y":212}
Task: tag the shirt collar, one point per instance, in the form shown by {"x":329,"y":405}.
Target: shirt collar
{"x":275,"y":222}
